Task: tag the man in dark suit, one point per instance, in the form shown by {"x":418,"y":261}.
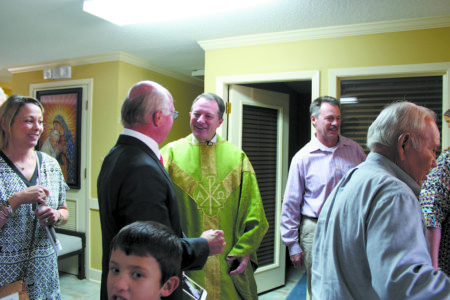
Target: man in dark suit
{"x":133,"y":184}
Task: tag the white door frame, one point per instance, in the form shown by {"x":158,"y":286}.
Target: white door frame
{"x":271,"y":275}
{"x":223,"y":82}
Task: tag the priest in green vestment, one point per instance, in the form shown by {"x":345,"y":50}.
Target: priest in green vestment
{"x":217,"y":189}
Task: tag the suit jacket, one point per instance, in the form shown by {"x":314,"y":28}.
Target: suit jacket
{"x":134,"y":186}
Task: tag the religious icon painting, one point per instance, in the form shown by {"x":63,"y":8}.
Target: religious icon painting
{"x":62,"y":130}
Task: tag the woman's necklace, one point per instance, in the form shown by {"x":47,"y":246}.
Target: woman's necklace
{"x":19,"y":167}
{"x":22,"y":165}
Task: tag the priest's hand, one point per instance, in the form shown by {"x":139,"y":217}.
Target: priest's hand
{"x":215,"y":240}
{"x":243,"y":261}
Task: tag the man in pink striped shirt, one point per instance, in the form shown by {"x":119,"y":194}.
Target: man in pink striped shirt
{"x":315,"y":170}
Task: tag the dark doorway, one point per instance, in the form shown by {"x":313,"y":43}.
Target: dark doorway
{"x":299,"y":117}
{"x":299,"y":102}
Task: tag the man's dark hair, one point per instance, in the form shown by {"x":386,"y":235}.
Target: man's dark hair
{"x":144,"y":238}
{"x":314,"y":109}
{"x":211,"y":97}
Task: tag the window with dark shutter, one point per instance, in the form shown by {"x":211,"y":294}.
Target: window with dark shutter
{"x":363,"y":99}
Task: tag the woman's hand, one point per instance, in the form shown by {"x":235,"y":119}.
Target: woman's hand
{"x":33,"y":194}
{"x":47,"y":215}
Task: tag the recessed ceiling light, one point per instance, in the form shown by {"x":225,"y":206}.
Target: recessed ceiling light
{"x":124,"y":12}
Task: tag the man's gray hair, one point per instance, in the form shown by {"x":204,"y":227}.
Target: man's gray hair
{"x":135,"y":110}
{"x":396,"y":119}
{"x":314,"y":108}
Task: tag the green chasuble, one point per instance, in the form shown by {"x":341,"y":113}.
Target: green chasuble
{"x":216,"y":189}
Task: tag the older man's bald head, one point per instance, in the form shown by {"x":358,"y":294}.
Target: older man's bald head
{"x":145,"y":87}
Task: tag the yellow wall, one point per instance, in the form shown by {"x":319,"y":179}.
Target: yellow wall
{"x":111,"y":82}
{"x":6,"y":88}
{"x":410,"y":47}
{"x":95,"y":240}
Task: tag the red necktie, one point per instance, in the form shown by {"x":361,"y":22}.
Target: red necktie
{"x":161,"y":160}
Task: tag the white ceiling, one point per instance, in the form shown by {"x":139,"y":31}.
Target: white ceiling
{"x":39,"y":31}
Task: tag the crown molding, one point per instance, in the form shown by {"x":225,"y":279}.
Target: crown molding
{"x":327,"y":32}
{"x":116,"y":56}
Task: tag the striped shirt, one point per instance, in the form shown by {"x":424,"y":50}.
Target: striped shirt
{"x":315,"y":170}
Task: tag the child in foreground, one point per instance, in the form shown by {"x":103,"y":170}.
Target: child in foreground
{"x":145,"y":260}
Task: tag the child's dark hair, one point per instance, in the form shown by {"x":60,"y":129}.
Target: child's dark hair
{"x":144,"y":238}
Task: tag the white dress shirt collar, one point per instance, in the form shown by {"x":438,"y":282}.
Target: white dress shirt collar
{"x":213,"y":140}
{"x":151,"y":143}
